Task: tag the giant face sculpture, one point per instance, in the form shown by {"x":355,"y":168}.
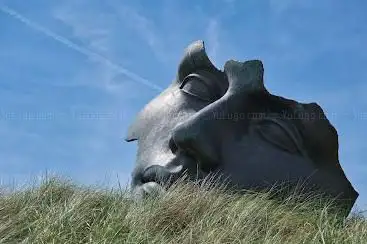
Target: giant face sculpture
{"x":226,"y":122}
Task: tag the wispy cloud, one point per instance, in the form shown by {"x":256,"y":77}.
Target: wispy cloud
{"x":144,"y":27}
{"x":212,"y":35}
{"x":78,"y":48}
{"x":67,"y":153}
{"x":280,"y":6}
{"x":172,"y":28}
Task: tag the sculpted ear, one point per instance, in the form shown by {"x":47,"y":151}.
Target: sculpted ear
{"x":195,"y":58}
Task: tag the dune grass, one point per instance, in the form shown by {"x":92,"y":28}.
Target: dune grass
{"x":58,"y":211}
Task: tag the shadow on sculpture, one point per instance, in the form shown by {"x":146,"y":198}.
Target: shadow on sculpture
{"x":226,"y":122}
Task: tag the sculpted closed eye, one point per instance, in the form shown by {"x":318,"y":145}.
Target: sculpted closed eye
{"x":280,"y":134}
{"x":195,"y":86}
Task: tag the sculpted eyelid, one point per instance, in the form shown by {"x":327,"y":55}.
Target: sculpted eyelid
{"x":289,"y":133}
{"x":212,"y":85}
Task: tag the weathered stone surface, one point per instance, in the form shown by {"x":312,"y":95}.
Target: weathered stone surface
{"x":226,"y":122}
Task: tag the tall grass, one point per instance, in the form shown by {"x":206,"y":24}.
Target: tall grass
{"x":58,"y":211}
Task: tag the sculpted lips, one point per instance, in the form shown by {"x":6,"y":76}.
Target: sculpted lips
{"x":156,"y":178}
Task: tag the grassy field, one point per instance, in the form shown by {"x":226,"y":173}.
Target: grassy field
{"x":58,"y":211}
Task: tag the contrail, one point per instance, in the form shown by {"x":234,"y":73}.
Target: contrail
{"x":78,"y":48}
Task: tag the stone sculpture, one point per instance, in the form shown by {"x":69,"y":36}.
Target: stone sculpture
{"x":226,"y":122}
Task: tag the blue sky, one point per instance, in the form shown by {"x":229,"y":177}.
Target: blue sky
{"x":74,"y":73}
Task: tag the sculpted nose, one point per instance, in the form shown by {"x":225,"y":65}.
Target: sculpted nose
{"x":194,"y":138}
